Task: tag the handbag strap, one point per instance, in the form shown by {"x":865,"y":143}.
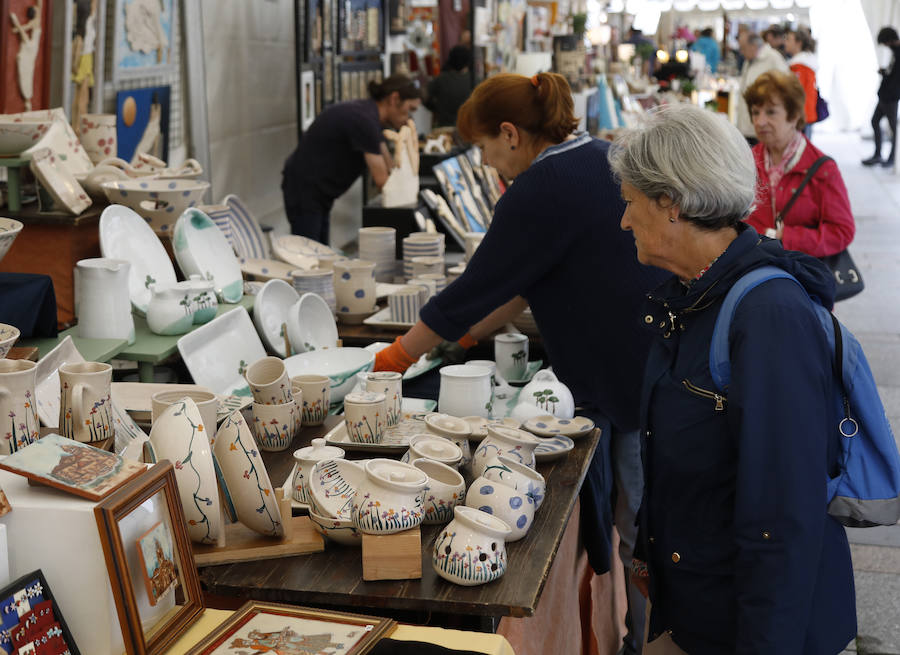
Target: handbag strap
{"x":809,"y":175}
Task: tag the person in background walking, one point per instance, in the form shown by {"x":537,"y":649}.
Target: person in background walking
{"x":888,"y":95}
{"x":707,"y":46}
{"x":803,"y":63}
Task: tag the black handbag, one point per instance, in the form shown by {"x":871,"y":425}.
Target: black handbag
{"x":846,"y":275}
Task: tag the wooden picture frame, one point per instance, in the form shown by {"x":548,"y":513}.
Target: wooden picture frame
{"x":123,"y":520}
{"x":130,"y":61}
{"x":253,"y":615}
{"x":23,"y":590}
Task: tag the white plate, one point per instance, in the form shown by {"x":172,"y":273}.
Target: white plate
{"x":58,"y":181}
{"x":548,"y":425}
{"x":311,"y":325}
{"x":299,"y":251}
{"x":266,"y":269}
{"x":218,"y":353}
{"x":553,"y":448}
{"x":125,"y":235}
{"x":270,"y":313}
{"x":382,"y":319}
{"x":202,"y":249}
{"x":355,"y":318}
{"x":248,"y":237}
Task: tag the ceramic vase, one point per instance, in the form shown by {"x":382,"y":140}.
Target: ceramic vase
{"x":102,"y":300}
{"x":354,"y":286}
{"x":306,"y":459}
{"x":390,"y":498}
{"x":504,"y":502}
{"x":471,"y":550}
{"x":19,"y":424}
{"x":513,"y":443}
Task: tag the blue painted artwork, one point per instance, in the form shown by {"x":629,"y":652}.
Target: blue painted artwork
{"x":140,"y":105}
{"x":459,"y":197}
{"x":143,"y":37}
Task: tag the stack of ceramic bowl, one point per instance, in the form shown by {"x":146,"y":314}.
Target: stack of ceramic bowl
{"x":276,"y":407}
{"x":318,"y":281}
{"x":332,"y":488}
{"x":433,"y":265}
{"x":421,"y":244}
{"x":379,"y":245}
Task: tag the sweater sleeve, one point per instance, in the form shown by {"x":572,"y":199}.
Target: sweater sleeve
{"x":835,"y":228}
{"x":780,"y":378}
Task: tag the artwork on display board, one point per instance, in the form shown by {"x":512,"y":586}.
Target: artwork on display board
{"x":32,"y":619}
{"x":260,"y":627}
{"x":72,"y":466}
{"x":149,"y":560}
{"x":459,"y":196}
{"x":142,"y":38}
{"x":359,"y":26}
{"x":398,"y":16}
{"x":142,"y":122}
{"x":24,"y":55}
{"x":307,"y":99}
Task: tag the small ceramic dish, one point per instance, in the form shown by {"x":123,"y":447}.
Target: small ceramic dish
{"x":9,"y":334}
{"x":332,"y":485}
{"x":338,"y":530}
{"x":547,"y":425}
{"x":270,"y":313}
{"x":9,"y":230}
{"x":161,"y":202}
{"x":59,"y":182}
{"x":355,"y":318}
{"x":311,"y":325}
{"x":550,"y":449}
{"x":479,"y":425}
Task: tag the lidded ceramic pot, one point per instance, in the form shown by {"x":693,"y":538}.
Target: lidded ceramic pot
{"x":306,"y":459}
{"x":437,"y":449}
{"x":471,"y":550}
{"x":446,"y":489}
{"x":390,"y":498}
{"x":513,"y":443}
{"x":453,"y":428}
{"x":547,"y":393}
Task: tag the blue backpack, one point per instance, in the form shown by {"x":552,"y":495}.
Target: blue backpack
{"x":866,"y":492}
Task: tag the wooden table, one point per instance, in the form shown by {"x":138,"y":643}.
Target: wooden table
{"x":93,"y":350}
{"x":334,"y":577}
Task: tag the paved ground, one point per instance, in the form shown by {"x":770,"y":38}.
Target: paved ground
{"x":874,"y":317}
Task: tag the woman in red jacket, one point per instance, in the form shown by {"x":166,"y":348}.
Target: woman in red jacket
{"x":820,"y":222}
{"x":803,"y":63}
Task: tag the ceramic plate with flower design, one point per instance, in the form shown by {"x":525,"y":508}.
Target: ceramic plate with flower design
{"x":550,"y":426}
{"x":58,"y":181}
{"x":553,"y":448}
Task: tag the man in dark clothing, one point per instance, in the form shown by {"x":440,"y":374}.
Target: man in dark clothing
{"x":888,"y":96}
{"x":341,"y":143}
{"x":449,"y":90}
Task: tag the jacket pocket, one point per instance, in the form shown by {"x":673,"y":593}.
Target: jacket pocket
{"x":716,"y":398}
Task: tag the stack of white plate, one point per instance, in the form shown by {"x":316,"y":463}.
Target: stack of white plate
{"x":378,"y":244}
{"x":316,"y":281}
{"x":421,"y":244}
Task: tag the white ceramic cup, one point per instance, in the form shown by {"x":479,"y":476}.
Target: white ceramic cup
{"x":390,"y":384}
{"x":18,"y":407}
{"x":365,"y":416}
{"x":275,"y":426}
{"x":313,"y":394}
{"x":354,"y":286}
{"x":269,"y":381}
{"x":85,"y":409}
{"x":404,"y":305}
{"x":206,"y":402}
{"x":465,"y":391}
{"x":511,"y":355}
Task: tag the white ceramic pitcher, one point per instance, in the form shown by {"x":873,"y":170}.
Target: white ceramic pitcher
{"x":102,"y":302}
{"x":18,"y":409}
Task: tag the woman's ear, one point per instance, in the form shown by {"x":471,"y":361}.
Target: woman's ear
{"x":509,"y":133}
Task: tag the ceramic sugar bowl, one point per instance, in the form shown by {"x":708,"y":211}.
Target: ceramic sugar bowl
{"x":546,"y":392}
{"x":169,"y":311}
{"x":513,"y":443}
{"x":518,"y":476}
{"x":204,"y":303}
{"x":504,"y":502}
{"x":471,"y":550}
{"x":446,"y":489}
{"x":437,"y":449}
{"x":306,"y":459}
{"x":390,"y":498}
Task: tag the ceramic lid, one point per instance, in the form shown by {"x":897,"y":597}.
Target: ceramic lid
{"x":318,"y":451}
{"x":437,"y":448}
{"x":447,"y":425}
{"x":364,"y":398}
{"x":397,"y":475}
{"x":511,"y":337}
{"x":512,"y":434}
{"x":383,"y":375}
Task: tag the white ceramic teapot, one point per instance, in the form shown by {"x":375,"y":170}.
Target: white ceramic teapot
{"x":471,"y":550}
{"x":547,"y":393}
{"x":169,"y":311}
{"x":390,"y":499}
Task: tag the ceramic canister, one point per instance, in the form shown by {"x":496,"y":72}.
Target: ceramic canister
{"x":102,"y":300}
{"x":390,"y":499}
{"x":85,"y":409}
{"x":319,"y":281}
{"x":471,"y":550}
{"x":389,"y":383}
{"x":314,"y":397}
{"x":364,"y":416}
{"x":306,"y":459}
{"x":453,"y":428}
{"x":404,"y":305}
{"x":18,"y":407}
{"x":446,"y":489}
{"x":504,"y":502}
{"x":518,"y":476}
{"x":269,"y":381}
{"x":511,"y":355}
{"x":430,"y":446}
{"x":354,"y":286}
{"x":206,"y":402}
{"x":513,"y":443}
{"x":465,"y":391}
{"x":275,"y":426}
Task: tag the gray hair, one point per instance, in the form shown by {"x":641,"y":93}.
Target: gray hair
{"x":693,"y":157}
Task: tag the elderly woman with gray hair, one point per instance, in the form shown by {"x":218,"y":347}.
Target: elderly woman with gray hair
{"x":736,"y":550}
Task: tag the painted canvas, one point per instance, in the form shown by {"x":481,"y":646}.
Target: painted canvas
{"x":24,"y":55}
{"x":142,"y":122}
{"x":157,"y":555}
{"x":143,"y":31}
{"x":72,"y":466}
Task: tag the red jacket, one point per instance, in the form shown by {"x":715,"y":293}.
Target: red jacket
{"x":820,"y":222}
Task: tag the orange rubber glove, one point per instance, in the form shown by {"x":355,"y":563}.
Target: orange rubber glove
{"x":393,"y":358}
{"x":467,"y":341}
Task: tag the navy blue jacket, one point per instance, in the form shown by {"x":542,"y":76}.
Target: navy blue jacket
{"x":743,"y":556}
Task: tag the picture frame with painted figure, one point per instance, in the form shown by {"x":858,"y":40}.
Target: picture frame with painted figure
{"x":142,"y":122}
{"x":128,"y":519}
{"x":142,"y":38}
{"x":156,"y":553}
{"x":257,"y":626}
{"x":307,"y":98}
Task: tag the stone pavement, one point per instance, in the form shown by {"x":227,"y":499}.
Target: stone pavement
{"x":874,"y":317}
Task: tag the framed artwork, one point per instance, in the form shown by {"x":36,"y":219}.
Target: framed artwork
{"x":307,"y":99}
{"x":31,"y":618}
{"x":142,"y":38}
{"x":72,"y":466}
{"x":359,"y":27}
{"x":398,"y":16}
{"x":142,"y":122}
{"x":25,"y":55}
{"x":149,"y":560}
{"x":258,"y":627}
{"x":327,"y":79}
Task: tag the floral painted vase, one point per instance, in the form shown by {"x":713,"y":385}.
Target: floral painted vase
{"x":390,"y":499}
{"x":471,"y":550}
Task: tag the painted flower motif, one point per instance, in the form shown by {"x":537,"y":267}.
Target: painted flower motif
{"x":179,"y":466}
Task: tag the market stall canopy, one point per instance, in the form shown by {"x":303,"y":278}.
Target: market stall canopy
{"x":639,"y":6}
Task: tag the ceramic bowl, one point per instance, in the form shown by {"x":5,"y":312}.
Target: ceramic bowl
{"x":207,"y":402}
{"x":390,"y":498}
{"x":275,"y":426}
{"x":437,"y":449}
{"x":513,"y":507}
{"x":471,"y":550}
{"x":270,"y":313}
{"x":160,"y":202}
{"x":340,"y":364}
{"x":340,"y":531}
{"x":16,"y":137}
{"x":311,"y":325}
{"x":247,"y":484}
{"x":445,"y":490}
{"x":179,"y":436}
{"x":9,"y":334}
{"x":332,"y":485}
{"x":518,"y":476}
{"x":9,"y":230}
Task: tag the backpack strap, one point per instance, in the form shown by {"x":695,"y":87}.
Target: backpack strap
{"x":809,"y":175}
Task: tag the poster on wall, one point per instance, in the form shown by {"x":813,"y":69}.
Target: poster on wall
{"x":24,"y":55}
{"x":142,"y":38}
{"x":142,"y":122}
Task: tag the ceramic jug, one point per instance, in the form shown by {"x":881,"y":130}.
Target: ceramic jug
{"x":471,"y":550}
{"x":169,"y":311}
{"x":85,"y":407}
{"x":306,"y":459}
{"x":465,"y":391}
{"x":204,"y":304}
{"x":102,"y":301}
{"x":513,"y":443}
{"x":18,"y":409}
{"x":390,"y":498}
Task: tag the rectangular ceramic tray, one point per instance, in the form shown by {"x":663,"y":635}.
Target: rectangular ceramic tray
{"x":396,"y":439}
{"x":382,"y":319}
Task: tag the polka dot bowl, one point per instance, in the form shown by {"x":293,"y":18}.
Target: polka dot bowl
{"x":159,"y":202}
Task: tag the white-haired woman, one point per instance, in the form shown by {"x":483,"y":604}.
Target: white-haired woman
{"x":736,"y":549}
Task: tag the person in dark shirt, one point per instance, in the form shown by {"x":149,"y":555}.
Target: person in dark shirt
{"x":449,"y":90}
{"x":888,"y":96}
{"x":554,"y":243}
{"x":341,"y":143}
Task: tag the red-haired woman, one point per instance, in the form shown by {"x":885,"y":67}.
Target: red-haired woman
{"x":555,"y":243}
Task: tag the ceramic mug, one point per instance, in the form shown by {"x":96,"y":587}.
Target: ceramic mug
{"x":275,"y":426}
{"x":404,"y":305}
{"x":85,"y":410}
{"x":511,"y":355}
{"x":465,"y":391}
{"x":207,"y":402}
{"x":354,"y":286}
{"x":18,"y":407}
{"x":269,"y":381}
{"x":315,"y":396}
{"x":365,"y":416}
{"x":390,"y":384}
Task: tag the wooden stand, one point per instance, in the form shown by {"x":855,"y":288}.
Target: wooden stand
{"x":392,"y":556}
{"x":241,"y":544}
